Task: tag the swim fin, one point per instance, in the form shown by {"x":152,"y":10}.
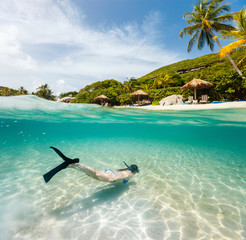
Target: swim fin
{"x":47,"y":176}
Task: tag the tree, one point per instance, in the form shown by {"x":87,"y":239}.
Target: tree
{"x":146,"y":86}
{"x":5,"y":91}
{"x":203,"y":21}
{"x":239,"y":34}
{"x":45,"y":92}
{"x":157,"y":83}
{"x":162,"y":81}
{"x":133,"y":84}
{"x":22,"y":91}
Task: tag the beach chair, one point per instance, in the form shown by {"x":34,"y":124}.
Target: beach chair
{"x":141,"y":103}
{"x":204,"y":99}
{"x":190,"y":100}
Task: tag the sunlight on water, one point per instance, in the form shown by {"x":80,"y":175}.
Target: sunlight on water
{"x":191,"y":183}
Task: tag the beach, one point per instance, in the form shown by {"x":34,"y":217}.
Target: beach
{"x":190,"y":107}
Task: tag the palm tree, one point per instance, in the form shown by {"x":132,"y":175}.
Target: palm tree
{"x":157,"y":83}
{"x":166,"y":80}
{"x":203,"y":21}
{"x":45,"y":92}
{"x":22,"y":91}
{"x":162,"y":81}
{"x":239,"y":35}
{"x":146,"y":86}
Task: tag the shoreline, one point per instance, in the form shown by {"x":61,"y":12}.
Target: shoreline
{"x":188,"y":107}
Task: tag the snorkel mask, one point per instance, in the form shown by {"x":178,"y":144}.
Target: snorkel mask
{"x":132,"y":168}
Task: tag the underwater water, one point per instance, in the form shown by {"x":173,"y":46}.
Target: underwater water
{"x":191,"y":185}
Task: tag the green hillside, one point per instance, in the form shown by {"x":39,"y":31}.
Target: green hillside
{"x":168,"y":80}
{"x":211,"y":66}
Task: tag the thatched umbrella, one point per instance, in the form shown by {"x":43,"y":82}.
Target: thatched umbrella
{"x":139,"y":93}
{"x":102,"y":98}
{"x":197,"y":84}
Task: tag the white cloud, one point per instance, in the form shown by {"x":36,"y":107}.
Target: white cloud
{"x":61,"y":86}
{"x":45,"y":41}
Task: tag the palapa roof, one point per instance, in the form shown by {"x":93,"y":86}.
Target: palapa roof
{"x":197,"y":83}
{"x":102,"y":97}
{"x":138,"y":93}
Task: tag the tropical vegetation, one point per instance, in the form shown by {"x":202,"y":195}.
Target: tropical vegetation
{"x":165,"y":81}
{"x":45,"y":92}
{"x":206,"y":19}
{"x":5,"y":91}
{"x":238,"y":35}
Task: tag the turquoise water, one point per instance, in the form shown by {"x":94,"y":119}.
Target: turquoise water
{"x":191,"y":185}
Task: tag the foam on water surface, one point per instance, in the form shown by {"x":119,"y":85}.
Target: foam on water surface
{"x":191,"y":183}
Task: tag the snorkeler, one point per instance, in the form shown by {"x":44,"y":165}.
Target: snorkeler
{"x":108,"y":175}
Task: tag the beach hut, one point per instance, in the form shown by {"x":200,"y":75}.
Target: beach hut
{"x":102,"y":98}
{"x":139,"y":93}
{"x":197,"y":84}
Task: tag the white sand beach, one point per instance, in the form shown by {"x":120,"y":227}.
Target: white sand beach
{"x":189,"y":107}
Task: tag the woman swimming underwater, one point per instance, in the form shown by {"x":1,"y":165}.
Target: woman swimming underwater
{"x":108,"y":175}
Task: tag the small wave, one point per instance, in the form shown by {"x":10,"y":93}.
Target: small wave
{"x":29,"y":102}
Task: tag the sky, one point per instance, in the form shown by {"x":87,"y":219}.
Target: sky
{"x":69,"y":44}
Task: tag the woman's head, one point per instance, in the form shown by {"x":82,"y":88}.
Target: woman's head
{"x":133,"y":168}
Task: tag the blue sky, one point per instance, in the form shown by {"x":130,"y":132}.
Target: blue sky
{"x":71,"y":43}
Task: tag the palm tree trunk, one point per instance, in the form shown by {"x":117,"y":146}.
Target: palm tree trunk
{"x":228,"y":56}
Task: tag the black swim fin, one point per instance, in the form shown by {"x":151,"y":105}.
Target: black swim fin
{"x":47,"y":176}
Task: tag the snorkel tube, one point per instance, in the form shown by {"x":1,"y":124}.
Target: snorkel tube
{"x":127,"y":165}
{"x":132,"y":168}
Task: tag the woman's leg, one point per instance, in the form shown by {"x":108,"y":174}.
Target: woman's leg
{"x":85,"y":169}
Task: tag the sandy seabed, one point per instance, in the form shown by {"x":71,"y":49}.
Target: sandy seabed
{"x":191,"y":185}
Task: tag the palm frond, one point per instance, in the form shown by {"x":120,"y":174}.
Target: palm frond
{"x":240,"y":31}
{"x":201,"y":40}
{"x":230,"y":47}
{"x":211,"y":7}
{"x":232,"y":35}
{"x":209,"y":40}
{"x":221,"y":26}
{"x":192,"y":41}
{"x":191,"y":18}
{"x":184,"y":31}
{"x":242,"y":63}
{"x":219,"y":10}
{"x":189,"y":30}
{"x":223,"y":18}
{"x":240,"y":19}
{"x":187,"y":15}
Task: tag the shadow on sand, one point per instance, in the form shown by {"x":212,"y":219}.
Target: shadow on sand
{"x":106,"y":194}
